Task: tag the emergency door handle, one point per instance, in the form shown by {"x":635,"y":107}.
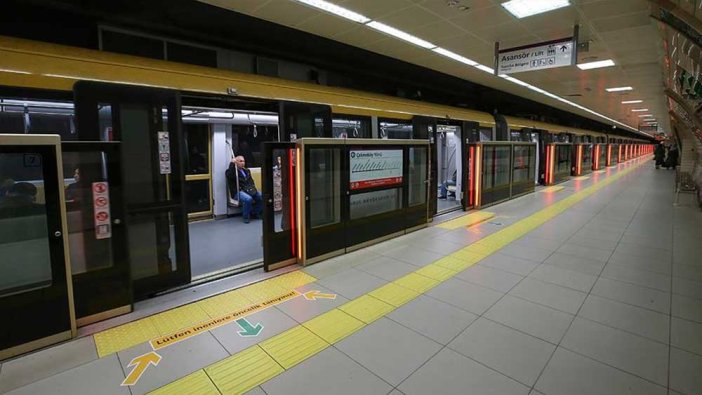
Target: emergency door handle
{"x":58,"y":233}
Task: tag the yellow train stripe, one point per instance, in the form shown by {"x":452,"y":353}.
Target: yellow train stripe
{"x":197,"y":383}
{"x":334,"y":325}
{"x":293,"y":346}
{"x":243,"y":371}
{"x":471,"y":219}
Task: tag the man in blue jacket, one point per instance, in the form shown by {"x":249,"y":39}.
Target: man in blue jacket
{"x":247,"y":193}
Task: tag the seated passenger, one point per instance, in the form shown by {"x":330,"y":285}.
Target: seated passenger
{"x":446,"y":184}
{"x":247,"y":193}
{"x":20,"y":199}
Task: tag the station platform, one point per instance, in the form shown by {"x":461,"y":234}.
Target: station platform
{"x":593,"y":286}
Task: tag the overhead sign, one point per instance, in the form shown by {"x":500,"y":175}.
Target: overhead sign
{"x":375,"y":168}
{"x":101,"y":210}
{"x":539,"y":56}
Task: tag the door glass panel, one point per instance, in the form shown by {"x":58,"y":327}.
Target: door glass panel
{"x":283,"y":177}
{"x":247,"y":141}
{"x":496,"y":166}
{"x":324,"y":165}
{"x":562,"y":159}
{"x":90,"y":248}
{"x":198,"y":148}
{"x":395,"y":129}
{"x":197,"y":196}
{"x":151,"y":245}
{"x":417,"y":176}
{"x":348,"y":127}
{"x":24,"y":243}
{"x":523,"y":167}
{"x":377,"y":202}
{"x":587,"y":156}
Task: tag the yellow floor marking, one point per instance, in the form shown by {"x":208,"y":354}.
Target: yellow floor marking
{"x":394,"y":294}
{"x":292,"y":280}
{"x":293,"y":346}
{"x":468,"y":256}
{"x":178,"y":318}
{"x":482,"y":249}
{"x":466,"y":220}
{"x":333,"y":325}
{"x":125,"y":336}
{"x":262,"y":291}
{"x":222,"y":304}
{"x":552,"y":189}
{"x":436,"y":272}
{"x":416,"y":282}
{"x":193,"y":384}
{"x":243,"y":371}
{"x":366,"y":308}
{"x":580,"y":178}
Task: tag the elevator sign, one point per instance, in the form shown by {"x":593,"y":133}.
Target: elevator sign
{"x":546,"y":55}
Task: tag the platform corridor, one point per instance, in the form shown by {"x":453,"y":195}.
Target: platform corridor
{"x":591,"y":287}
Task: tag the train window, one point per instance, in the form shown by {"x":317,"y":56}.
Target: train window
{"x":191,"y":54}
{"x":130,"y":44}
{"x":37,"y":117}
{"x":23,"y":224}
{"x":346,"y":126}
{"x":394,"y":129}
{"x":485,"y":134}
{"x":247,"y":141}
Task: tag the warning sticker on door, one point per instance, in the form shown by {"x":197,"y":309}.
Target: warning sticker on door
{"x":101,"y":210}
{"x":164,"y":153}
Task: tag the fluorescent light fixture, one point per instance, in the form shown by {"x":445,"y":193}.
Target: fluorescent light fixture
{"x":484,"y":68}
{"x":596,"y":65}
{"x":454,"y":56}
{"x":639,"y":109}
{"x":400,"y":34}
{"x":620,"y":89}
{"x":336,"y":10}
{"x":645,"y":115}
{"x":525,"y":8}
{"x":215,"y":114}
{"x":632,"y":101}
{"x":14,"y":71}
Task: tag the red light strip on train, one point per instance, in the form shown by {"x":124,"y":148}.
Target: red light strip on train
{"x":579,"y":160}
{"x":471,"y":171}
{"x":547,"y":165}
{"x":291,"y":185}
{"x":478,"y":163}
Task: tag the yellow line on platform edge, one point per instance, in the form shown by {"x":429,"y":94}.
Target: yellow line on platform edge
{"x":395,"y":293}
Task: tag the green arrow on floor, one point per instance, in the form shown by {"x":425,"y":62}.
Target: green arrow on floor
{"x":248,"y":329}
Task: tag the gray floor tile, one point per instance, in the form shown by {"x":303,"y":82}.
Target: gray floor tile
{"x":301,"y":309}
{"x":686,"y":335}
{"x":256,"y":391}
{"x":564,"y":277}
{"x":688,"y":272}
{"x":602,"y":235}
{"x":509,"y":264}
{"x":177,"y":361}
{"x":685,"y":371}
{"x":636,"y":249}
{"x":467,"y":296}
{"x":329,"y":372}
{"x":496,"y":279}
{"x":569,"y":373}
{"x":664,"y":243}
{"x":607,"y":244}
{"x":634,"y":354}
{"x":551,"y":295}
{"x":438,"y":245}
{"x":637,"y":295}
{"x":578,"y":264}
{"x":389,"y":269}
{"x":351,"y":283}
{"x":585,"y":252}
{"x":689,"y":288}
{"x":687,"y":308}
{"x":104,"y":375}
{"x":630,"y":318}
{"x":45,"y":363}
{"x":538,"y":242}
{"x":540,"y":321}
{"x":327,"y":268}
{"x":650,"y":264}
{"x":513,"y":353}
{"x":434,"y":319}
{"x":388,"y":349}
{"x":453,"y":374}
{"x":524,"y":252}
{"x":636,"y":276}
{"x":273,"y":321}
{"x":413,"y":256}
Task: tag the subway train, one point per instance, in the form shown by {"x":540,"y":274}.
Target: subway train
{"x":158,"y":138}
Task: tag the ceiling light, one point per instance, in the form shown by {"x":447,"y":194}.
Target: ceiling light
{"x":525,"y":8}
{"x":632,"y":101}
{"x":596,"y":65}
{"x":639,"y":109}
{"x":620,"y":89}
{"x":485,"y":68}
{"x":336,"y":10}
{"x":215,"y":114}
{"x":454,"y":56}
{"x":400,"y":34}
{"x":645,"y":115}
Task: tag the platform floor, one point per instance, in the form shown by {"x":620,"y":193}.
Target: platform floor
{"x":593,"y":288}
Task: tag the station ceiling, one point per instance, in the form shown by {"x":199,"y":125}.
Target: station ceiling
{"x":621,"y":30}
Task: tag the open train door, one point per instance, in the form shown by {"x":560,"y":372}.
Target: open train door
{"x":424,"y":128}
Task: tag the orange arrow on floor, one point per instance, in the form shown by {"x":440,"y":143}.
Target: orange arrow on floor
{"x":314,"y":295}
{"x":140,"y":364}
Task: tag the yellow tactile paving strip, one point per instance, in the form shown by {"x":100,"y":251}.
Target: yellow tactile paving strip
{"x":134,"y":333}
{"x":318,"y":333}
{"x":197,"y":383}
{"x":552,"y":189}
{"x":466,"y":220}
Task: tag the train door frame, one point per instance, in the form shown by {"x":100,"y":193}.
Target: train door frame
{"x":424,"y":128}
{"x":88,"y":96}
{"x":470,"y":134}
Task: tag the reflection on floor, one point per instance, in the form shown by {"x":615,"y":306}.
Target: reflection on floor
{"x":224,"y":244}
{"x":447,"y":204}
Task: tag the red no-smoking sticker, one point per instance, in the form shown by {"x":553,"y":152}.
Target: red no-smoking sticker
{"x":99,"y":187}
{"x":102,"y":216}
{"x":101,"y":201}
